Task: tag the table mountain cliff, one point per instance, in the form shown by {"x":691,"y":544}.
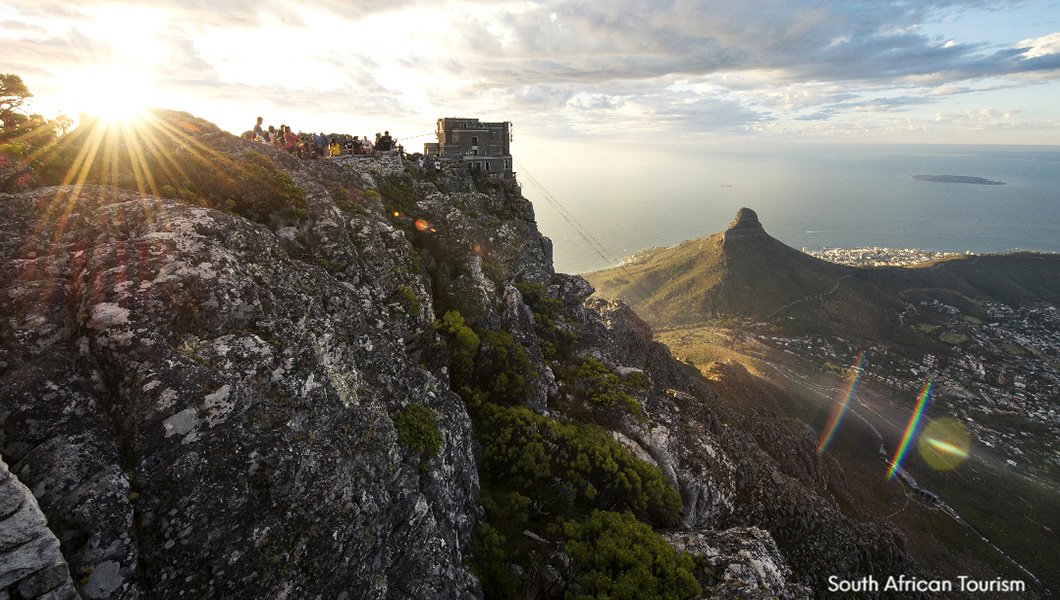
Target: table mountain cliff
{"x":229,"y":373}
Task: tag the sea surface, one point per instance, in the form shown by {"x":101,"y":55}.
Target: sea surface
{"x":808,"y":196}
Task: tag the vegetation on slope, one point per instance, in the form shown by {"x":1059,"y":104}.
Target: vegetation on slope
{"x":178,"y":166}
{"x":559,"y":483}
{"x":756,"y":278}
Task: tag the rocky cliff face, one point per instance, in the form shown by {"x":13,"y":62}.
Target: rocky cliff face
{"x":745,"y":226}
{"x":205,"y":406}
{"x":31,"y":565}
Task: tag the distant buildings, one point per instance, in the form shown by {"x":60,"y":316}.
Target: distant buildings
{"x":479,"y":146}
{"x":876,"y":257}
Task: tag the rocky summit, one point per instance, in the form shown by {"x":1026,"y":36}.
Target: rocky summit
{"x":745,"y":226}
{"x":229,"y":373}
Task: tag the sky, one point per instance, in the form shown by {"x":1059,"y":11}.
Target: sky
{"x":683,"y":71}
{"x":603,"y":95}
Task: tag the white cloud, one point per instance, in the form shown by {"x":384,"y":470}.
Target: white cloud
{"x":675,"y":66}
{"x":1041,"y":46}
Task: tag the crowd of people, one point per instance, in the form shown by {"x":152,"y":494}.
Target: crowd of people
{"x":321,"y":145}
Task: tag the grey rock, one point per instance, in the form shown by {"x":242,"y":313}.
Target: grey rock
{"x":202,"y":413}
{"x":33,"y":556}
{"x":741,"y":562}
{"x":204,"y":406}
{"x":22,"y":526}
{"x":104,"y":580}
{"x":30,"y":560}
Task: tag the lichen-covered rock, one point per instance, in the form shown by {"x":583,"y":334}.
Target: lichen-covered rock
{"x":31,"y":565}
{"x":209,"y":406}
{"x":733,"y":468}
{"x":201,"y":413}
{"x":740,"y":563}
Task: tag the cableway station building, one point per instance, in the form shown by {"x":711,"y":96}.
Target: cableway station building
{"x":480,"y":146}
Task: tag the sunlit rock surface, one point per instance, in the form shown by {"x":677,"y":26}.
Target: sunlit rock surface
{"x":31,"y":565}
{"x":203,"y":406}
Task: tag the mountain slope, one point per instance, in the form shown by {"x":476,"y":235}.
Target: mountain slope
{"x":742,"y":271}
{"x":745,"y":273}
{"x":898,"y":326}
{"x":229,"y":373}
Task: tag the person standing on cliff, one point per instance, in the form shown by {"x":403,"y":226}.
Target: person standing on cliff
{"x":290,"y":139}
{"x":259,"y":133}
{"x":320,"y":143}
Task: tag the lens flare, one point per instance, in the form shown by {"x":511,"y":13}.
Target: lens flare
{"x":837,"y":418}
{"x":946,"y":447}
{"x":910,"y":430}
{"x":945,"y":444}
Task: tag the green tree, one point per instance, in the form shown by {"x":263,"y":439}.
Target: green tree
{"x":417,"y":428}
{"x":62,"y":124}
{"x":13,"y":94}
{"x":623,"y":559}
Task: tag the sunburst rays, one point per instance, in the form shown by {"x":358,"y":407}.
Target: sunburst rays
{"x":126,"y":156}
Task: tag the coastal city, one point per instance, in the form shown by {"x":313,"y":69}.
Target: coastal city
{"x":876,"y":257}
{"x":998,"y":375}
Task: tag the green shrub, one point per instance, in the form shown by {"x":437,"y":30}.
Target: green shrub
{"x":350,"y":200}
{"x":490,"y":562}
{"x":418,"y":429}
{"x":408,"y":299}
{"x":545,"y":307}
{"x":555,"y":341}
{"x":624,"y":558}
{"x":548,"y":350}
{"x":537,"y":472}
{"x":503,"y":370}
{"x":638,"y":380}
{"x":604,"y":387}
{"x":494,"y":271}
{"x":463,"y":348}
{"x":249,"y":185}
{"x":490,"y":364}
{"x":570,"y":467}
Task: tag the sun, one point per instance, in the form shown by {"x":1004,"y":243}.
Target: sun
{"x":114,"y":92}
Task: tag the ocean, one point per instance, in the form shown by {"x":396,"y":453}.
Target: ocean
{"x":811,"y":196}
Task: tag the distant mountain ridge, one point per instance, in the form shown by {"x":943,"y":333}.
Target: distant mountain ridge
{"x":745,"y":272}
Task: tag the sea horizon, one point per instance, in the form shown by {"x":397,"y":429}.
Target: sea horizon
{"x":810,"y":196}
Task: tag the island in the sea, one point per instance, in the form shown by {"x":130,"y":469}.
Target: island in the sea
{"x":957,"y":179}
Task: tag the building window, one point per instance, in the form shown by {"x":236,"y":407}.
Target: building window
{"x":474,"y":140}
{"x":487,"y":165}
{"x":506,"y":165}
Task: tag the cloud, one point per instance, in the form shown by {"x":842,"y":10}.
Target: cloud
{"x":823,"y":115}
{"x":989,"y":114}
{"x":949,"y":90}
{"x":674,"y":65}
{"x":1041,"y":46}
{"x":224,"y":13}
{"x":42,"y":56}
{"x":514,"y":44}
{"x":807,"y":40}
{"x":898,"y":104}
